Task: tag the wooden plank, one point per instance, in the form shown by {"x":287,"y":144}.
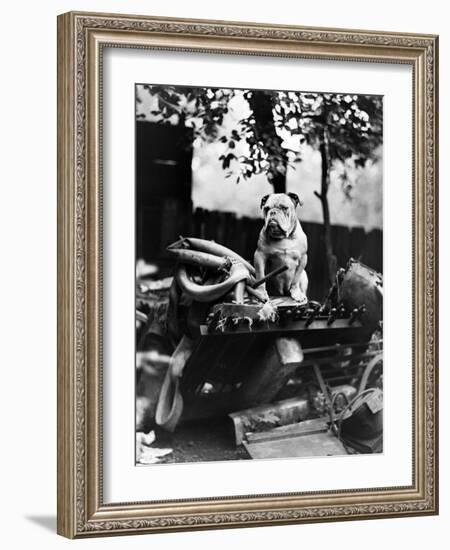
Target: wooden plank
{"x":318,"y":444}
{"x":268,"y":416}
{"x":306,"y":427}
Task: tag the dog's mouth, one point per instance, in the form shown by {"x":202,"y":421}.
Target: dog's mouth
{"x":275,"y":230}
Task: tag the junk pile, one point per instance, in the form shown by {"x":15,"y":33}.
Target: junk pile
{"x":294,"y":379}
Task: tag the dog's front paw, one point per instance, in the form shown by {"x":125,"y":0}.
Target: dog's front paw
{"x":262,"y":293}
{"x":297,"y":295}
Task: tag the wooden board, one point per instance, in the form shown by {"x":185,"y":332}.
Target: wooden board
{"x":323,"y":443}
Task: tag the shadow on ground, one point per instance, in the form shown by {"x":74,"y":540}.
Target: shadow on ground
{"x":46,"y":522}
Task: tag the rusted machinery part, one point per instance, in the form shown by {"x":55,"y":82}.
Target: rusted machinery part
{"x":209,"y":293}
{"x":359,"y":399}
{"x":251,"y":420}
{"x":359,"y":285}
{"x":200,"y":259}
{"x":211,"y":247}
{"x":368,"y":371}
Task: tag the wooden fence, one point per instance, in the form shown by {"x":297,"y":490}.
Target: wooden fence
{"x":241,"y":235}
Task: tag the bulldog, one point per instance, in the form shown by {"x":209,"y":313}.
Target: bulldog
{"x":282,"y":242}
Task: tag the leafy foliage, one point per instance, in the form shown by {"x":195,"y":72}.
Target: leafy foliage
{"x":203,"y":109}
{"x":351,"y":125}
{"x":353,"y":122}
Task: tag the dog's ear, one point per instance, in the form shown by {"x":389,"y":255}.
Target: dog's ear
{"x":295,"y":199}
{"x":263,"y":201}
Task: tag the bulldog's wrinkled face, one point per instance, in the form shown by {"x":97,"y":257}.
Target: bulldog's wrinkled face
{"x":279,"y":214}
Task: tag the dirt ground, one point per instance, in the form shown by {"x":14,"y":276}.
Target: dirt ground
{"x":201,"y":442}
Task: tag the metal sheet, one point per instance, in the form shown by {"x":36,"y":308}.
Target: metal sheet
{"x":313,"y":444}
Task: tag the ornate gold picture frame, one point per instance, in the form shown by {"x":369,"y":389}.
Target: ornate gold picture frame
{"x":82,"y":39}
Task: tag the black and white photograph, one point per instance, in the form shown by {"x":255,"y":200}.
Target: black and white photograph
{"x":224,"y":226}
{"x":259,"y":274}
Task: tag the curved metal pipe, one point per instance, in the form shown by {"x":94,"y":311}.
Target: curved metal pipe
{"x":199,"y":259}
{"x":211,"y":247}
{"x":209,"y":293}
{"x":368,"y":370}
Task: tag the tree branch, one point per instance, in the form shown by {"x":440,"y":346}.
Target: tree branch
{"x":302,"y":115}
{"x":318,"y":195}
{"x":171,"y":105}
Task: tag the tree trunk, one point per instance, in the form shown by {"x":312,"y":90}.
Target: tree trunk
{"x":323,"y":197}
{"x":261,"y":103}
